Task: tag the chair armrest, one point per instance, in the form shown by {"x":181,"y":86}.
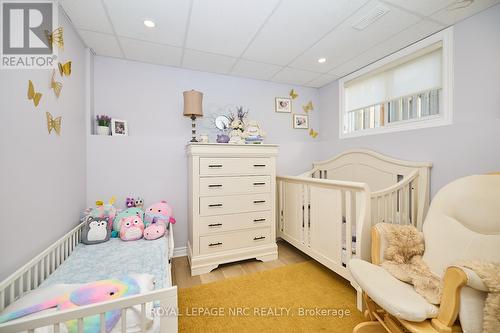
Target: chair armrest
{"x":379,"y":241}
{"x":473,"y":280}
{"x":453,"y":281}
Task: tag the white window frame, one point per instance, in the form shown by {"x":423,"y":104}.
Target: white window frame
{"x":445,"y":116}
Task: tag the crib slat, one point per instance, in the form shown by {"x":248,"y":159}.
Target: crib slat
{"x":35,"y":281}
{"x":124,"y":320}
{"x":57,"y":327}
{"x":21,"y":285}
{"x":348,"y":229}
{"x":2,"y":300}
{"x":29,"y":280}
{"x":80,"y":325}
{"x":102,"y":323}
{"x":12,"y":292}
{"x":143,"y":317}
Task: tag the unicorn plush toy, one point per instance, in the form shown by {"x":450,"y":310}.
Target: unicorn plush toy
{"x":94,"y":292}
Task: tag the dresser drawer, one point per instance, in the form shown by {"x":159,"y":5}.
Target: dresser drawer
{"x":234,"y":185}
{"x":234,"y":204}
{"x":234,"y":240}
{"x":231,"y":222}
{"x":235,"y":166}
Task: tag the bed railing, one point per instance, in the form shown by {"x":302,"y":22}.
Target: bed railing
{"x":397,"y":204}
{"x":31,"y":275}
{"x":313,"y":214}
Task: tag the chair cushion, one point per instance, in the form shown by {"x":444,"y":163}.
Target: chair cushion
{"x":396,"y":297}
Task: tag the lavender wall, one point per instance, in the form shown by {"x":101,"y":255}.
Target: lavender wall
{"x":151,"y":161}
{"x":471,"y":145}
{"x":42,"y":176}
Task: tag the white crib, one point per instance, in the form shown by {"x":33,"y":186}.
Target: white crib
{"x":31,"y":275}
{"x":328,"y":211}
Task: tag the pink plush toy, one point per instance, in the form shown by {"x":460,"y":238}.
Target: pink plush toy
{"x":159,"y":212}
{"x":154,"y":230}
{"x":131,"y":228}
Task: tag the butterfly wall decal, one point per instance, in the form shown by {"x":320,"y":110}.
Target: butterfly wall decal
{"x":293,"y":94}
{"x":308,"y":107}
{"x":32,"y":95}
{"x":53,"y":124}
{"x":65,"y":69}
{"x":56,"y":86}
{"x":313,"y":133}
{"x":56,"y":37}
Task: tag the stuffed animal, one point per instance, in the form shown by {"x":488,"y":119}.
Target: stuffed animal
{"x":96,"y":230}
{"x":155,"y":230}
{"x":134,"y":211}
{"x":94,"y":292}
{"x":131,"y":228}
{"x":103,"y":210}
{"x":139,"y":202}
{"x":130,"y":202}
{"x":159,"y":212}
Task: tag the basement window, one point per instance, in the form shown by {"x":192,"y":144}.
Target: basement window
{"x":407,"y":90}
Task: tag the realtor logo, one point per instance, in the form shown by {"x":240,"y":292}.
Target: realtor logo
{"x":26,"y":27}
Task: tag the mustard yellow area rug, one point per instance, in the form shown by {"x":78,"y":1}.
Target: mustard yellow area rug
{"x":304,"y":297}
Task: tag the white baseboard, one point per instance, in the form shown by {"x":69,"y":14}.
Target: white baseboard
{"x":180,"y":252}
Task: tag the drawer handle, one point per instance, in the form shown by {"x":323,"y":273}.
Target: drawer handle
{"x":215,"y":244}
{"x":259,"y":220}
{"x":259,"y":184}
{"x":215,"y":165}
{"x":215,"y":205}
{"x":258,"y":238}
{"x":215,"y":225}
{"x":259,"y":165}
{"x":215,"y":185}
{"x":259,"y":201}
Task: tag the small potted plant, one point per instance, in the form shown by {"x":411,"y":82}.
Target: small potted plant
{"x":103,"y":123}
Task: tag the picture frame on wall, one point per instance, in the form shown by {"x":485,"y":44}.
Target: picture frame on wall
{"x":301,"y":121}
{"x":283,"y":104}
{"x":119,"y":127}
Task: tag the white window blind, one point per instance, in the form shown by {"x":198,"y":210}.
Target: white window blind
{"x":416,"y":73}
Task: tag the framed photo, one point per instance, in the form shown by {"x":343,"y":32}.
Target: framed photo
{"x":119,"y":127}
{"x":283,"y":104}
{"x":301,"y":121}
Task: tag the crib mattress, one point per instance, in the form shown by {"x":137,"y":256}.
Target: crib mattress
{"x":115,"y":258}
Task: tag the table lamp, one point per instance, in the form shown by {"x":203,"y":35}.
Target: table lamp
{"x":193,"y":108}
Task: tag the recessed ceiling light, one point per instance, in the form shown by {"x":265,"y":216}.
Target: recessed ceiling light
{"x":149,"y":24}
{"x":322,"y":60}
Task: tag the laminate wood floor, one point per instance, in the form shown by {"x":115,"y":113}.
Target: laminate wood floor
{"x":181,"y":273}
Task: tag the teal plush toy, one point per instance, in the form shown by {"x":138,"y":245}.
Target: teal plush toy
{"x":126,"y":213}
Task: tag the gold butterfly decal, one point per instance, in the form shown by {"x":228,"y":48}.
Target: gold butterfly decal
{"x":308,"y":107}
{"x":56,"y":37}
{"x":53,"y":124}
{"x":313,"y":133}
{"x":293,"y":94}
{"x":65,"y":69}
{"x":35,"y":96}
{"x":56,"y":86}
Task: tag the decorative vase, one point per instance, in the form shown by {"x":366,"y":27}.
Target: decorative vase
{"x":103,"y":130}
{"x":222,"y":138}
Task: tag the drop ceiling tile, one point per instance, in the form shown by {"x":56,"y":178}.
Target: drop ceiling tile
{"x":255,"y":70}
{"x":170,"y":17}
{"x":226,"y":26}
{"x":321,"y":81}
{"x":294,"y":76}
{"x":406,"y":37}
{"x":295,"y":26}
{"x":102,"y":44}
{"x":423,"y":7}
{"x":88,"y":15}
{"x":151,"y":52}
{"x":452,"y":14}
{"x":345,"y":42}
{"x":207,"y":62}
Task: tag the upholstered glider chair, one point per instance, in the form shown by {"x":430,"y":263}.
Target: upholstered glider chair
{"x":463,"y":223}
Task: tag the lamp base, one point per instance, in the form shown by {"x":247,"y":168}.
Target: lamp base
{"x":193,"y":129}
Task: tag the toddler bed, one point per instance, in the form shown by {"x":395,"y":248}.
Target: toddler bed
{"x":68,"y":264}
{"x":327,"y":212}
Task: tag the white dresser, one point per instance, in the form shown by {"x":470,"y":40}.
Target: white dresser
{"x":232,"y":194}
